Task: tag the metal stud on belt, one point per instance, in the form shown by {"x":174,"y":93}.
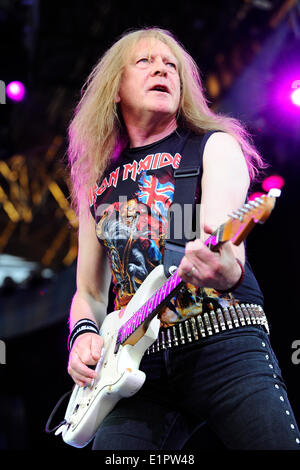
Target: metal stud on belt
{"x":208,"y":324}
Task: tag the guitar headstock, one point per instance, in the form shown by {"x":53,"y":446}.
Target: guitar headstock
{"x":243,"y":220}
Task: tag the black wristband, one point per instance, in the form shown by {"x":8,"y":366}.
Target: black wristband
{"x":82,"y":326}
{"x":238,"y":283}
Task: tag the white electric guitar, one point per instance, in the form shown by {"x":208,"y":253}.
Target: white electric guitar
{"x":128,"y":333}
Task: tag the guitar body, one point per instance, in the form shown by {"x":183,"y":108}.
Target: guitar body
{"x":118,"y":372}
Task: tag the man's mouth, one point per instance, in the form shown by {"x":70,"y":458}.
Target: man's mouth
{"x":161,"y":88}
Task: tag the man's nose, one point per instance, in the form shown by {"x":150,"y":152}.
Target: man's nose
{"x":159,"y":67}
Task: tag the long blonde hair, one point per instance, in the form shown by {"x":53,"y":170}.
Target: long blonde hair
{"x":97,"y":134}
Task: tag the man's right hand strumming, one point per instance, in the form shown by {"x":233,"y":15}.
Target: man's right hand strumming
{"x":85,"y":352}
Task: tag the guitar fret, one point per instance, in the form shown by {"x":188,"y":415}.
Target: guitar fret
{"x":145,"y":314}
{"x":149,"y":308}
{"x":119,"y":335}
{"x":123,"y":334}
{"x":126,"y":332}
{"x":169,"y":286}
{"x":167,"y":289}
{"x":141,"y":314}
{"x":171,"y":282}
{"x":164,"y":288}
{"x":154,"y":298}
{"x":132,"y":323}
{"x":177,"y":280}
{"x":159,"y":295}
{"x":127,"y":329}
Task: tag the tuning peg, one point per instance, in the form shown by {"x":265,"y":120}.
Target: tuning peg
{"x":236,"y":215}
{"x":259,"y":200}
{"x":253,"y":203}
{"x":274,"y":192}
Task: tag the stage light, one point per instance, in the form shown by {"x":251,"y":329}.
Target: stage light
{"x":295,"y":96}
{"x":255,"y":195}
{"x":288,"y":95}
{"x":15,"y":91}
{"x":273,"y":181}
{"x":284,"y":110}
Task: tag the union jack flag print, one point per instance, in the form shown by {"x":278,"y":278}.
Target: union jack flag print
{"x":156,"y":195}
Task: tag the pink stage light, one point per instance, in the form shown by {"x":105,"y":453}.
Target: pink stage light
{"x":15,"y":91}
{"x":295,"y":97}
{"x":255,"y":195}
{"x":273,"y":181}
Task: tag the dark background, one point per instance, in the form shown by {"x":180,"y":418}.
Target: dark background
{"x":244,"y":49}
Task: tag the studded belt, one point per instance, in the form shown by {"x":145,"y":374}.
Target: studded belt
{"x":208,"y":324}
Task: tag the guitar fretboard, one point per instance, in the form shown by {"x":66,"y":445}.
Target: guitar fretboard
{"x":148,"y":310}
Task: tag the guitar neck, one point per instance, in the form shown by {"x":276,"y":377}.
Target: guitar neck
{"x":143,"y":316}
{"x":214,"y":241}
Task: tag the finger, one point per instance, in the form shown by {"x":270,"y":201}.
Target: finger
{"x":83,"y":383}
{"x":198,"y":254}
{"x":188,"y":273}
{"x":79,"y":383}
{"x":81,"y":380}
{"x":96,"y":347}
{"x":78,"y":378}
{"x":199,"y":265}
{"x":86,"y":355}
{"x":185,"y":267}
{"x":207,"y":229}
{"x":82,"y":368}
{"x":227,"y":247}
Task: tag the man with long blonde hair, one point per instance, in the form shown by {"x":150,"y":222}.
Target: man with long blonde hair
{"x":141,"y":108}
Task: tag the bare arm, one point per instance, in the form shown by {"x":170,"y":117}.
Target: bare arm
{"x":225,"y":183}
{"x":90,"y":300}
{"x":93,"y":276}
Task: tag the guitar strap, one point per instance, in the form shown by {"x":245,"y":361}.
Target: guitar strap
{"x":184,"y":212}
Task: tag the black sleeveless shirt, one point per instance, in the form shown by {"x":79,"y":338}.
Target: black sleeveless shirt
{"x":130,"y":206}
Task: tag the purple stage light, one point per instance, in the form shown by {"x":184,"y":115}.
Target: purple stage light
{"x":286,"y":97}
{"x":15,"y":91}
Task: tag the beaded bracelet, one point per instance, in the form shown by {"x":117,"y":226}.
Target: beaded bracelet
{"x":84,"y":325}
{"x":238,"y":283}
